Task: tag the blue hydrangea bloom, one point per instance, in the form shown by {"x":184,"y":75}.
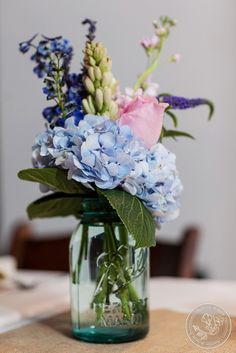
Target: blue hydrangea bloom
{"x":100,"y":158}
{"x":41,"y":156}
{"x":99,"y":152}
{"x":157,"y":184}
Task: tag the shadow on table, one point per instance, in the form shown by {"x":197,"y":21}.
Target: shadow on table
{"x":60,"y":323}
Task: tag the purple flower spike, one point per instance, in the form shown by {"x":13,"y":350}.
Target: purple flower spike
{"x":91,"y":29}
{"x":176,"y":102}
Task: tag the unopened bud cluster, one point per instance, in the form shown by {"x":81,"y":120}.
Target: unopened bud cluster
{"x":99,"y":82}
{"x":163,"y":26}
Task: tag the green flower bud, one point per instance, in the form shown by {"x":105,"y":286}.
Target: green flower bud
{"x":114,"y":86}
{"x":99,"y":81}
{"x":92,"y":62}
{"x":103,"y":64}
{"x":109,"y":64}
{"x":107,"y":96}
{"x":106,"y":113}
{"x":99,"y":99}
{"x":173,"y":22}
{"x":89,"y":85}
{"x":89,"y":52}
{"x":89,"y":45}
{"x":96,"y":84}
{"x":97,"y":54}
{"x":107,"y":79}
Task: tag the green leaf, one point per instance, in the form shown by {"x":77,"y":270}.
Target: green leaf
{"x":137,"y":219}
{"x":211,"y":108}
{"x":176,"y":133}
{"x":163,"y":134}
{"x":55,"y":205}
{"x":53,"y":177}
{"x":173,"y":117}
{"x":164,"y":94}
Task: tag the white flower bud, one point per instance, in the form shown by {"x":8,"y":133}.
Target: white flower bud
{"x":97,"y":73}
{"x":89,"y":85}
{"x":91,"y":73}
{"x":86,"y":106}
{"x":113,"y":109}
{"x":161,"y":31}
{"x":99,"y":99}
{"x":91,"y":105}
{"x":175,"y":58}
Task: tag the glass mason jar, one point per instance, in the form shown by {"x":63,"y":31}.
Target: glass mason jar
{"x":109,"y":278}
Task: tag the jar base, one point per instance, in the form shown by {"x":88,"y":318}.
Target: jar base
{"x":109,"y":334}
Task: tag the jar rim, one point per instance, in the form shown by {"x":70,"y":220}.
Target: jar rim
{"x":97,"y":209}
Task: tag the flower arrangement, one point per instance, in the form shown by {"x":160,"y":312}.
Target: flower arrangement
{"x":101,"y":143}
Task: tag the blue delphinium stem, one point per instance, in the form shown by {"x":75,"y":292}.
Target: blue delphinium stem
{"x":113,"y":273}
{"x":53,"y":57}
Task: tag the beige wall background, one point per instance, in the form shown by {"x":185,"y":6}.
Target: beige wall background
{"x":205,"y":36}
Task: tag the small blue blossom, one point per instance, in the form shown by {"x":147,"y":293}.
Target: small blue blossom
{"x":24,"y":47}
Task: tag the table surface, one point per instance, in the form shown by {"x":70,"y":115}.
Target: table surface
{"x":167,"y":335}
{"x":50,"y":296}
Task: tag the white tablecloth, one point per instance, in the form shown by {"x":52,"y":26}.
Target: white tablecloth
{"x":51,"y":295}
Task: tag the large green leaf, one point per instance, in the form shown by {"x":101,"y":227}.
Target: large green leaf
{"x":135,"y":216}
{"x":55,"y":205}
{"x":176,"y":133}
{"x":173,"y":117}
{"x":211,"y":108}
{"x":53,"y":177}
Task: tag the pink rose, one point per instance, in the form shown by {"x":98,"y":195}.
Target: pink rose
{"x":144,"y":115}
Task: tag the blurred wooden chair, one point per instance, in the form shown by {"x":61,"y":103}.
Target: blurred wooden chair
{"x":51,"y":252}
{"x":176,"y":260}
{"x":48,"y":252}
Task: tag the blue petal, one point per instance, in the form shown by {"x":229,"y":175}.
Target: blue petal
{"x":107,"y":140}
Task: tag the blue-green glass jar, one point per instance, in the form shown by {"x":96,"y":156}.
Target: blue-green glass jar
{"x":109,"y":289}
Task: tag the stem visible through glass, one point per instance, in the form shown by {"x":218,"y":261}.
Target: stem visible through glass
{"x":114,"y":273}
